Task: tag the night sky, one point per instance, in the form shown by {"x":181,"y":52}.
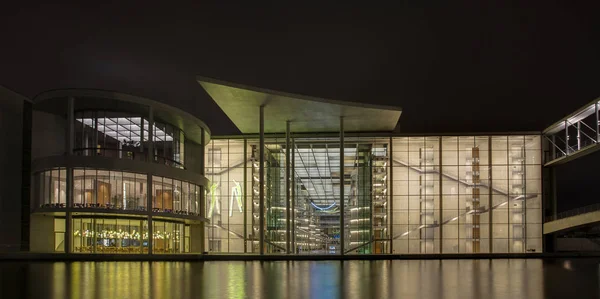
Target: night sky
{"x":452,"y":67}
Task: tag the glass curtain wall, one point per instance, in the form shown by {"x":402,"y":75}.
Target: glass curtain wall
{"x":93,"y":188}
{"x":403,"y":195}
{"x":446,"y":187}
{"x":175,"y":197}
{"x":50,"y":188}
{"x":169,"y":237}
{"x":109,"y":235}
{"x":366,"y":208}
{"x":128,"y":235}
{"x":228,"y":205}
{"x":316,"y":170}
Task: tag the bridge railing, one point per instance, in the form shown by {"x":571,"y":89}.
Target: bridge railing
{"x":574,"y":212}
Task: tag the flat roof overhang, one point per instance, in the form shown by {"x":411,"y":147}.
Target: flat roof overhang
{"x":306,"y":114}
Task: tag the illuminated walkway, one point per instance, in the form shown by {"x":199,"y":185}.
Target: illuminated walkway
{"x":573,"y":218}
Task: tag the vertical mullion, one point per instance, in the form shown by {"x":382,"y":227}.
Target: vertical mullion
{"x":245,"y":195}
{"x":490,"y":194}
{"x":342,"y":183}
{"x":441,"y":203}
{"x":391,"y":194}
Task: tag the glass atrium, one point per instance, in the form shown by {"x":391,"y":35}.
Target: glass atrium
{"x":402,"y":195}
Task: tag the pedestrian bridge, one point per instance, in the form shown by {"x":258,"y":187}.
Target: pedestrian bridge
{"x":573,"y":219}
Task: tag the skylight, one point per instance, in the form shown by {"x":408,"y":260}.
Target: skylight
{"x":126,"y":129}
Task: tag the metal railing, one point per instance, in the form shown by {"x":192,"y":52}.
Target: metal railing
{"x":110,"y":153}
{"x":126,"y":154}
{"x":574,"y":212}
{"x":168,"y":162}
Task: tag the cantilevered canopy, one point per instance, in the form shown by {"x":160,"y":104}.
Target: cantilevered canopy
{"x":307,"y":114}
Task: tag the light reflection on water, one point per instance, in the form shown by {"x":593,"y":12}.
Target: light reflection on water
{"x":303,"y":279}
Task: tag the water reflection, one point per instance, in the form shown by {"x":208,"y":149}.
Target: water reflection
{"x":304,"y":279}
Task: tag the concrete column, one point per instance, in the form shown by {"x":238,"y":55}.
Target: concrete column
{"x":549,"y":207}
{"x":261,"y":181}
{"x":391,"y":188}
{"x":69,"y":204}
{"x":202,"y":202}
{"x":70,"y":125}
{"x":287,"y":186}
{"x":342,"y":216}
{"x":202,"y":151}
{"x":149,"y":211}
{"x":202,"y":212}
{"x":150,"y":157}
{"x":70,"y":145}
{"x":25,"y":176}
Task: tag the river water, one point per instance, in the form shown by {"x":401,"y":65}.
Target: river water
{"x":501,"y":278}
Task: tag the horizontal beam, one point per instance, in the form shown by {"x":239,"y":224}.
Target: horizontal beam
{"x":571,"y":222}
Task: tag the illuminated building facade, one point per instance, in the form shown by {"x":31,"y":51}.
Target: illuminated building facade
{"x":379,"y":193}
{"x":115,"y":174}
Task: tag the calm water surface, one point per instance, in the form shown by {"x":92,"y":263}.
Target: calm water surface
{"x":576,"y":278}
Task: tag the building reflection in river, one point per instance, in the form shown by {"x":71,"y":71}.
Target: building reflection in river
{"x":510,"y":278}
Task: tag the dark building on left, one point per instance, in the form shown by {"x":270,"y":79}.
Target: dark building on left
{"x":15,"y":162}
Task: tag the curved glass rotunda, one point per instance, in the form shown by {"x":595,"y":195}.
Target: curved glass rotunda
{"x":115,"y":174}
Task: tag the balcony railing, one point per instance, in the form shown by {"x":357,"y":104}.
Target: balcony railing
{"x":113,"y":207}
{"x":126,"y":154}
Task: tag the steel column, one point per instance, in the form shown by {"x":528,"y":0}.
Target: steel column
{"x":566,"y":137}
{"x":149,"y":211}
{"x":261,"y":181}
{"x":69,"y":204}
{"x":293,"y":197}
{"x":245,"y":195}
{"x":597,"y":126}
{"x":440,"y":219}
{"x":287,"y":186}
{"x":202,"y":152}
{"x":391,"y":187}
{"x":342,"y":183}
{"x":578,"y":135}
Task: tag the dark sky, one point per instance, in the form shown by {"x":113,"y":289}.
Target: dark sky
{"x":452,"y":66}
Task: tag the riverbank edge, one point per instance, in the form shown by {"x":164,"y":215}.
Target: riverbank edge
{"x":51,"y":257}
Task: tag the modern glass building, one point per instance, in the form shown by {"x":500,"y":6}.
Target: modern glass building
{"x":115,"y":174}
{"x":313,"y":176}
{"x":118,"y":174}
